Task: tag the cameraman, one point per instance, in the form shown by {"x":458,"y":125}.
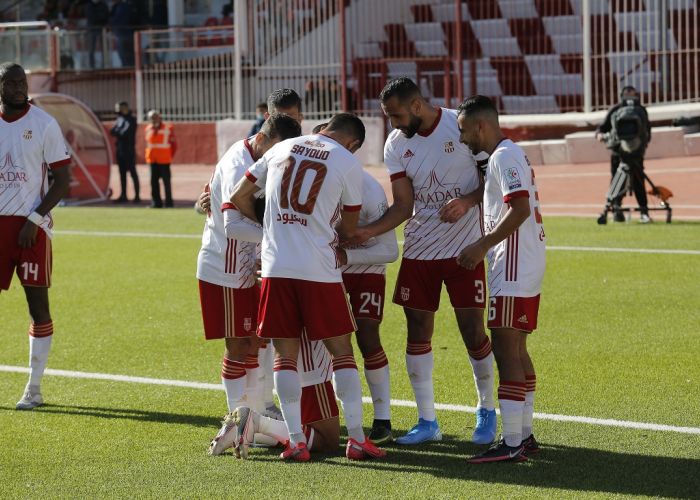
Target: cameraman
{"x":635,"y":160}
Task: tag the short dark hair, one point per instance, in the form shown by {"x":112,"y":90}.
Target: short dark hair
{"x":348,"y":124}
{"x":123,"y":103}
{"x":8,"y":66}
{"x":261,"y":105}
{"x":319,"y":127}
{"x":477,"y":104}
{"x":628,"y":88}
{"x":281,"y":126}
{"x":402,"y":87}
{"x":283,"y":99}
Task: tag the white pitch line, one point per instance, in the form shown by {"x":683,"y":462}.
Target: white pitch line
{"x":671,"y":251}
{"x":607,"y":422}
{"x":115,"y":234}
{"x":554,"y":248}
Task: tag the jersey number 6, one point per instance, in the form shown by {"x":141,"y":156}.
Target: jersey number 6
{"x":287,"y":197}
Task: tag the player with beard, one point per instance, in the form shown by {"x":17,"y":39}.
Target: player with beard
{"x":31,"y":145}
{"x":438,"y":190}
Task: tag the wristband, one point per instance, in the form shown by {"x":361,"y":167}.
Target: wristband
{"x":35,"y":218}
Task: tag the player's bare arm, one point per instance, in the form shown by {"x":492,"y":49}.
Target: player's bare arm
{"x":59,"y":189}
{"x":347,"y":227}
{"x":456,"y":208}
{"x":400,"y":211}
{"x":518,"y":213}
{"x":244,"y":197}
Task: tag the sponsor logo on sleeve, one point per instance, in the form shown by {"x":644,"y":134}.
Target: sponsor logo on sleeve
{"x":513,"y":178}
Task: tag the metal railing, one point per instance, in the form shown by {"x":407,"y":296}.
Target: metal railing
{"x":30,"y":43}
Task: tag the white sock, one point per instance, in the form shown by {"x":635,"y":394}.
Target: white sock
{"x":379,"y":388}
{"x":484,"y":379}
{"x":251,"y":388}
{"x":420,"y":372}
{"x":235,"y":392}
{"x":266,"y":358}
{"x":288,"y":388}
{"x":346,"y":381}
{"x":512,"y":421}
{"x":528,"y":410}
{"x":271,"y":427}
{"x":39,"y":348}
{"x":234,"y":380}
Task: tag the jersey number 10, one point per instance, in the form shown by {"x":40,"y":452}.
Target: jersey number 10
{"x":288,"y":197}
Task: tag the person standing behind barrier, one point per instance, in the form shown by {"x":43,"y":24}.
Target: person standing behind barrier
{"x":121,"y":20}
{"x":160,"y":149}
{"x":124,"y":130}
{"x":97,"y":15}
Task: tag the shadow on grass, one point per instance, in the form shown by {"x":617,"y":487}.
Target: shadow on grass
{"x":556,"y":467}
{"x":129,"y":414}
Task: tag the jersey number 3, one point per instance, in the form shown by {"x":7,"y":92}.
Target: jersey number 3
{"x":291,"y":197}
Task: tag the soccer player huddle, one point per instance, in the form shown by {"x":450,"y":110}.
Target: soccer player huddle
{"x":301,"y":212}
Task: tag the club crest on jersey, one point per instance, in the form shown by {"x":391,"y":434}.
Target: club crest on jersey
{"x":27,"y":134}
{"x":408,"y":154}
{"x":449,"y":147}
{"x":405,"y":293}
{"x":513,"y":178}
{"x":247,"y":323}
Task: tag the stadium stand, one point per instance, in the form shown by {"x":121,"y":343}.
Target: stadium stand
{"x":527,"y":53}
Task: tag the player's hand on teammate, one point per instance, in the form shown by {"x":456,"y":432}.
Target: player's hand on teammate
{"x":27,"y":235}
{"x":472,"y":255}
{"x":342,"y":256}
{"x":204,"y":200}
{"x":360,"y":236}
{"x":455,"y":209}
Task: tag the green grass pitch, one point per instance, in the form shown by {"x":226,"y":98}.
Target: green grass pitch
{"x":618,"y":339}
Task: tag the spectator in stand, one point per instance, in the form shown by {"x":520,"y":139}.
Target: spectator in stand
{"x":260,"y":111}
{"x":227,"y":15}
{"x":122,"y":22}
{"x":97,"y":16}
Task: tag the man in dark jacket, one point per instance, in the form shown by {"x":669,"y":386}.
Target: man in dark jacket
{"x":124,"y":130}
{"x":634,"y":160}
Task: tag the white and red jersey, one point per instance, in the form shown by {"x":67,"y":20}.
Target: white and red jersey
{"x":315,"y":363}
{"x":30,"y":144}
{"x":372,"y":256}
{"x":440,"y":168}
{"x":516,"y":265}
{"x":306,"y":180}
{"x":225,"y":261}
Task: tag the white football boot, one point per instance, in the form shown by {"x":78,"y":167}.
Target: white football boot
{"x":227,"y":436}
{"x":30,"y":399}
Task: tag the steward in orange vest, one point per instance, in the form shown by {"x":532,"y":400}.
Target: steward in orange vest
{"x":160,"y":148}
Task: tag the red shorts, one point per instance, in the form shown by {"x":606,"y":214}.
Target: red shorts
{"x":366,"y":293}
{"x":287,"y":306}
{"x":318,"y":403}
{"x":33,"y":265}
{"x":519,"y":313}
{"x":419,"y":284}
{"x":228,"y":312}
